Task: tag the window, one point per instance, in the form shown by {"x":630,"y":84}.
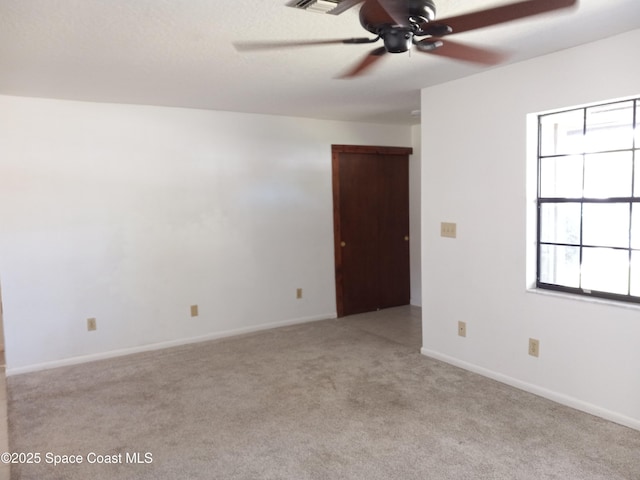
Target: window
{"x":588,"y":201}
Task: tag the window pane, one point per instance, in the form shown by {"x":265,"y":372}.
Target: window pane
{"x":561,"y":177}
{"x":635,"y":226}
{"x":608,"y":175}
{"x":637,"y":124}
{"x":560,"y":223}
{"x":609,"y":127}
{"x":605,"y":270}
{"x":561,"y":133}
{"x":636,"y":176}
{"x":606,"y":224}
{"x":560,"y":265}
{"x":635,"y":274}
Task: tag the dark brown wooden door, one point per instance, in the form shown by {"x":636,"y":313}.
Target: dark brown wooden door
{"x":371,"y":222}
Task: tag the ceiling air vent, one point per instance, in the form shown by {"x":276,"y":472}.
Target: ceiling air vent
{"x":318,"y":6}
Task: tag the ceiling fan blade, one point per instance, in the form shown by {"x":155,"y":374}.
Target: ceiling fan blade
{"x":467,"y":53}
{"x":379,"y":12}
{"x":398,"y":10}
{"x":493,"y":16}
{"x":249,"y":46}
{"x":366,"y":63}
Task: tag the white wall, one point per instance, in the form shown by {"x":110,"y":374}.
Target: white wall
{"x":474,"y":173}
{"x":130,"y":214}
{"x":414,"y":216}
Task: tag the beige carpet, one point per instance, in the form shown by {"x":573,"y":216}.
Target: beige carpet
{"x":337,"y":399}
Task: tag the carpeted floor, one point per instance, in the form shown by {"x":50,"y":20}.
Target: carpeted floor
{"x":337,"y":399}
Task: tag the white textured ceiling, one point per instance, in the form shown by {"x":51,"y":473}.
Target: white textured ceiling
{"x":180,"y":53}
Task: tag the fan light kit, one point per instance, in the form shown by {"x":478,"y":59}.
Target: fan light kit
{"x":401,"y":24}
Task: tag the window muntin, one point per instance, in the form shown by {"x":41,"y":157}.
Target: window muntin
{"x":589,"y":201}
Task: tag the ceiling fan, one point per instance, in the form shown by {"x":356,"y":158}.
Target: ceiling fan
{"x":400,"y":24}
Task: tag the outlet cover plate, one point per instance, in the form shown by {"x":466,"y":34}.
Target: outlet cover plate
{"x":462,"y":329}
{"x":91,"y":324}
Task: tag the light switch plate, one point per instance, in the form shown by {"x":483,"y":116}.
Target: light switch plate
{"x":448,"y":229}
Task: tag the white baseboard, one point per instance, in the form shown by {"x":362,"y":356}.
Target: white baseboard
{"x":158,"y":346}
{"x":537,"y":390}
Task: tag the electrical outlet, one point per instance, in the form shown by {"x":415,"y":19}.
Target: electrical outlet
{"x":91,"y":324}
{"x":448,"y":229}
{"x":534,"y":347}
{"x":194,"y":310}
{"x":462,"y":329}
{"x":298,"y":293}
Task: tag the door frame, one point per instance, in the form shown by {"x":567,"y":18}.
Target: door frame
{"x":336,"y":150}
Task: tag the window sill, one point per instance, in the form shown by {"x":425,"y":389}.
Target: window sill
{"x":584,"y":298}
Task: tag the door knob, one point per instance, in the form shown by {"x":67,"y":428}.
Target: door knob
{"x":343,"y":244}
{"x":406,"y":238}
